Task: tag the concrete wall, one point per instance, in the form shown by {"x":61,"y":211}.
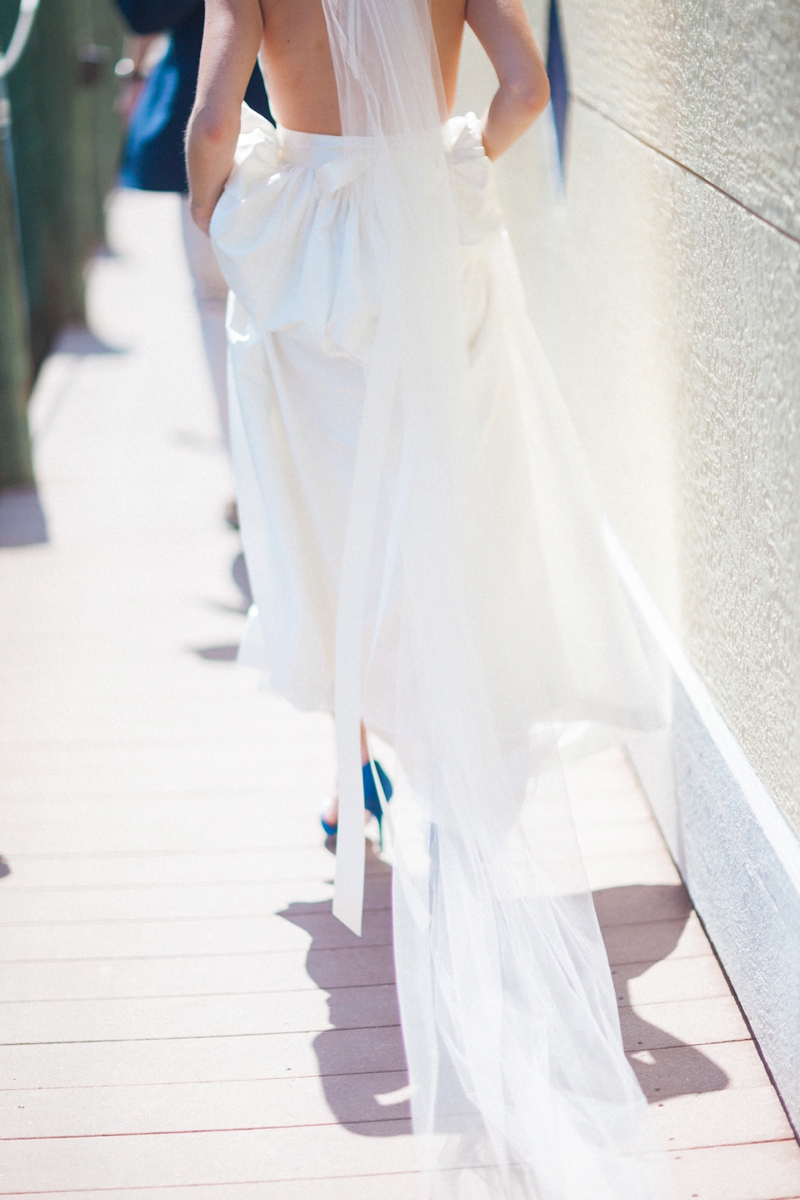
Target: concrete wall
{"x":665,"y":284}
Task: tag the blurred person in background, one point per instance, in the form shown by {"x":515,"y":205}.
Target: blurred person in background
{"x":156,"y":100}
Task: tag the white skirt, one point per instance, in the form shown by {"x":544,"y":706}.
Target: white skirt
{"x":301,"y":319}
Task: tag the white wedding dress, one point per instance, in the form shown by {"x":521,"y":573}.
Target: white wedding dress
{"x":425,"y":553}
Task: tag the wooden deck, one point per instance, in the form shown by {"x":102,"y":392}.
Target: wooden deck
{"x":181,"y":1016}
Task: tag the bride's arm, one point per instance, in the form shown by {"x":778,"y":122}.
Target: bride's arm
{"x":231,"y":40}
{"x":503,"y":29}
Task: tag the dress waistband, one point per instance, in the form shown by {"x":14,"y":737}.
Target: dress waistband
{"x":313,"y":150}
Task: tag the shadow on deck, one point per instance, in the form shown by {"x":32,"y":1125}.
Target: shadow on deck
{"x":358,"y":975}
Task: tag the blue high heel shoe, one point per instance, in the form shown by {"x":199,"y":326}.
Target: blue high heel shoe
{"x":372,"y":801}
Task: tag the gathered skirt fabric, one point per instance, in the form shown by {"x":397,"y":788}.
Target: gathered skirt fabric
{"x":302,"y":315}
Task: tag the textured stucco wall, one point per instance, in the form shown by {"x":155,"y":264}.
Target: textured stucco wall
{"x":666,"y":288}
{"x":714,"y":84}
{"x":684,"y":375}
{"x":684,"y":214}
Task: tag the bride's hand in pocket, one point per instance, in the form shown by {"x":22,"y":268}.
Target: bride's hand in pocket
{"x":231,"y":41}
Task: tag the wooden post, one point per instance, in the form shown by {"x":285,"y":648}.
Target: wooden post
{"x":15,"y":358}
{"x":67,"y":137}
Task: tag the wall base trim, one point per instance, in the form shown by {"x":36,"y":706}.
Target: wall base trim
{"x":737,"y":854}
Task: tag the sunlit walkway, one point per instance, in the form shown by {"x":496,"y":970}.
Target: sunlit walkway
{"x":181,"y":1016}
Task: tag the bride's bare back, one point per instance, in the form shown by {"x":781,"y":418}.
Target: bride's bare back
{"x":296,"y":58}
{"x":290,"y":36}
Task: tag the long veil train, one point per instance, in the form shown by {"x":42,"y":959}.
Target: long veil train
{"x":512,"y":624}
{"x":478,"y":619}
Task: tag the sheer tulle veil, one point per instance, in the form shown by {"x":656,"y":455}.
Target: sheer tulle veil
{"x":512,"y":629}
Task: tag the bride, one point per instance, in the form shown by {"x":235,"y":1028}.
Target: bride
{"x":426,"y":557}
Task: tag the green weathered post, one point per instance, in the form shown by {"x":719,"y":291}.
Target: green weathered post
{"x":101,"y":47}
{"x":15,"y":357}
{"x":66,"y":142}
{"x":66,"y":137}
{"x":16,"y":469}
{"x":41,"y":100}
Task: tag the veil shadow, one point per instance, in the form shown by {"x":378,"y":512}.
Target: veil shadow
{"x":361,"y":1058}
{"x":665,"y":909}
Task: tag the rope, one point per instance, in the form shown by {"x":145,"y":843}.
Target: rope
{"x":19,"y":38}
